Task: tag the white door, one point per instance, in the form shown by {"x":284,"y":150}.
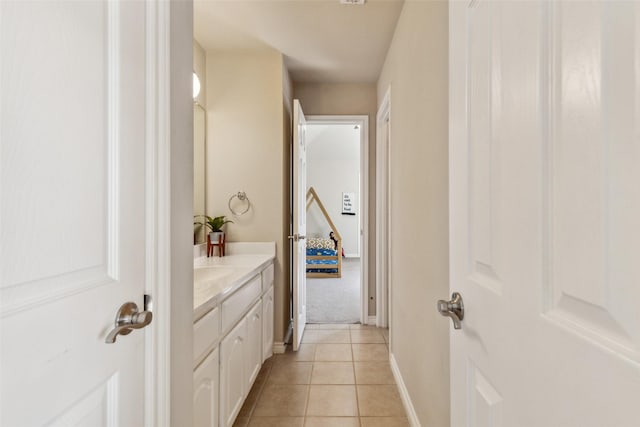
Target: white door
{"x":545,"y":213}
{"x":72,"y":215}
{"x":299,"y":204}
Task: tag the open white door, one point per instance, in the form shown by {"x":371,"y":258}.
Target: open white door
{"x":545,"y":212}
{"x":72,"y":191}
{"x":298,"y":203}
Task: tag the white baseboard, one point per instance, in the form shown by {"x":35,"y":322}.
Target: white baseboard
{"x":279,"y":347}
{"x":404,"y":393}
{"x":372,"y":320}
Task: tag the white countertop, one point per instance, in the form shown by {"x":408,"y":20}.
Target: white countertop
{"x":216,"y":278}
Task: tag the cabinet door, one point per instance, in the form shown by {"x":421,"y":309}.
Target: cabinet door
{"x":254,"y":343}
{"x":233,"y":377}
{"x":206,"y":382}
{"x":267,"y":324}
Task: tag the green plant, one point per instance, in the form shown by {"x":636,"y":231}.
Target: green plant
{"x":214,"y":224}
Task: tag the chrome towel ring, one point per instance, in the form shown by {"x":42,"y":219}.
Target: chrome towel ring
{"x":242,"y":196}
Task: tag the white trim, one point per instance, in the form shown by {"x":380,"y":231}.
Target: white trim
{"x":363,"y":121}
{"x":157,"y":216}
{"x":383,"y":212}
{"x":371,"y":320}
{"x":404,"y":393}
{"x":279,"y":347}
{"x":351,"y":255}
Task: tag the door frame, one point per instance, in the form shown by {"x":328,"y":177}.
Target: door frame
{"x":363,"y":122}
{"x":383,"y":213}
{"x":168,"y":213}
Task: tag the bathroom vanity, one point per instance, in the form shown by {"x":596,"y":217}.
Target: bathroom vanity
{"x":232,"y":330}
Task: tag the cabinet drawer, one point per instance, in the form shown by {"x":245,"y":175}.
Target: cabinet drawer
{"x":267,"y":277}
{"x":206,"y":332}
{"x":238,"y":303}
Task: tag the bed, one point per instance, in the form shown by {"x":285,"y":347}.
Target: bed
{"x":324,"y":258}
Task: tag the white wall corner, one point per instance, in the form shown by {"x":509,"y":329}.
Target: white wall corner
{"x":404,"y":393}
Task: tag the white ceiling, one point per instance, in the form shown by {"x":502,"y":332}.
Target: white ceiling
{"x":322,"y":40}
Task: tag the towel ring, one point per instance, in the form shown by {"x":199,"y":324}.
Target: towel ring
{"x":242,"y":196}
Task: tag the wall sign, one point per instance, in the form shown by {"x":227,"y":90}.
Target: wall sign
{"x":348,"y":204}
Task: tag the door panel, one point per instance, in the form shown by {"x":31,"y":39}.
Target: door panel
{"x":544,"y":212}
{"x":267,"y":324}
{"x":72,"y":188}
{"x":254,"y":343}
{"x":233,"y":373}
{"x":206,"y":383}
{"x":299,"y":223}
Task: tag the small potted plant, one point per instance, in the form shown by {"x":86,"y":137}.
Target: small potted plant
{"x":215,"y":225}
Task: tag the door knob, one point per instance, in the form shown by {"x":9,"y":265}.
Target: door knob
{"x":128,"y":318}
{"x":296,"y":237}
{"x":453,"y":309}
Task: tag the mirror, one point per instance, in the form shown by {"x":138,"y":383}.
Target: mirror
{"x":199,"y":171}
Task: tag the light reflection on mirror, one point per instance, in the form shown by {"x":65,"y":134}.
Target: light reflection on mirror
{"x":199,"y":160}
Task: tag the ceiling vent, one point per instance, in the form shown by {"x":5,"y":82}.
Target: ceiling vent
{"x":360,"y":2}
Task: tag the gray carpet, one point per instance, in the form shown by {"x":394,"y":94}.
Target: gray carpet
{"x":335,"y":300}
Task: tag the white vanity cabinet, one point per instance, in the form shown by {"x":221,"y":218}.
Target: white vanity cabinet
{"x":233,"y":373}
{"x":253,"y":357}
{"x":231,"y":341}
{"x":206,"y":388}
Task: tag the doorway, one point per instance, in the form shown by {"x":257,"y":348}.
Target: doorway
{"x":337,"y":171}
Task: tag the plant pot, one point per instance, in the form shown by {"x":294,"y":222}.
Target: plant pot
{"x":214,"y":236}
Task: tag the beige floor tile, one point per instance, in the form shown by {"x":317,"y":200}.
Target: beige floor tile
{"x":276,"y":422}
{"x":333,"y":353}
{"x":384,"y":422}
{"x":282,"y":400}
{"x":250,"y":401}
{"x":332,"y":400}
{"x":241,"y":422}
{"x":380,"y":401}
{"x":370,"y":352}
{"x":321,"y":336}
{"x":385,"y":335}
{"x":305,"y":353}
{"x":332,"y":373}
{"x":332,"y":422}
{"x":373,"y":373}
{"x":290,"y":373}
{"x":366,"y":336}
{"x":361,"y":326}
{"x":313,"y":326}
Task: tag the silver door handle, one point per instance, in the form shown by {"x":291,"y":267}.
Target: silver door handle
{"x":128,"y":318}
{"x":453,"y":309}
{"x":296,"y":237}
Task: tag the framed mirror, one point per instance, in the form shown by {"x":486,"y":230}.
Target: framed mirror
{"x":199,"y":172}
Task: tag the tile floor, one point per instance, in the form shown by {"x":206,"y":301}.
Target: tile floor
{"x":340,"y":378}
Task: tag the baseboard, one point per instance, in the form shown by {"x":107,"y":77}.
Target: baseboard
{"x":404,"y":393}
{"x":279,"y":347}
{"x":372,"y":320}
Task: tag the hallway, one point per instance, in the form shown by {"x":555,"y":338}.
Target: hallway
{"x":340,"y":377}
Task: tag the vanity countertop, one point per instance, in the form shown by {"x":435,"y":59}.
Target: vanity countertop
{"x":216,"y":278}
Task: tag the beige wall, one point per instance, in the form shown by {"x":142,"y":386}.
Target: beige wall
{"x":349,"y":99}
{"x":245,"y":152}
{"x":416,"y":67}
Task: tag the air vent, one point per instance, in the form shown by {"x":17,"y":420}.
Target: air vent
{"x":360,"y":2}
